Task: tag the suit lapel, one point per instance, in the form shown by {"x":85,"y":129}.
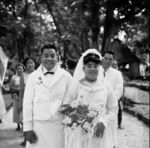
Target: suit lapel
{"x":58,"y":74}
{"x":41,"y":75}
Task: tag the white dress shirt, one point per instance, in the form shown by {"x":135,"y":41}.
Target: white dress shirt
{"x":49,"y":77}
{"x":114,"y":78}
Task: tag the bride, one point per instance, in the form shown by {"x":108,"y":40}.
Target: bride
{"x":92,"y":91}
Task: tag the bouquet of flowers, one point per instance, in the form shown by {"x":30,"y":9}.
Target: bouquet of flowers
{"x":77,"y":114}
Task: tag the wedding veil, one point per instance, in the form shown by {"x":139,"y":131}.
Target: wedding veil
{"x":79,"y":73}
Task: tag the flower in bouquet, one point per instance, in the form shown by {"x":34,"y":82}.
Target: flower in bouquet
{"x":75,"y":103}
{"x":77,"y":114}
{"x":67,"y":121}
{"x":87,"y":126}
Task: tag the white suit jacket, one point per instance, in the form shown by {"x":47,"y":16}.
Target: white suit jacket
{"x":42,"y":100}
{"x":115,"y":79}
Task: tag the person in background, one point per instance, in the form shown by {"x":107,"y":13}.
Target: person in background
{"x":114,"y":64}
{"x":71,"y":65}
{"x":12,"y":72}
{"x":9,"y":73}
{"x":44,"y":93}
{"x":14,"y":89}
{"x":29,"y":68}
{"x":120,"y":101}
{"x":144,"y":66}
{"x":114,"y":78}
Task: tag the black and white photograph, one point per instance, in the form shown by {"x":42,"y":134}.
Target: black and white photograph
{"x":74,"y":73}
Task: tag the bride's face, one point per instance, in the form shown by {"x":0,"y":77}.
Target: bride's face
{"x":91,"y":70}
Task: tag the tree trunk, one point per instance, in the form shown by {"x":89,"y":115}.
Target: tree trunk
{"x":95,"y":23}
{"x":58,"y":31}
{"x":65,"y":54}
{"x":107,"y":26}
{"x":20,"y":49}
{"x":84,"y":40}
{"x":22,"y":39}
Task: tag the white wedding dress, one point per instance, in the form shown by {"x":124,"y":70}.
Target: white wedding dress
{"x":95,"y":94}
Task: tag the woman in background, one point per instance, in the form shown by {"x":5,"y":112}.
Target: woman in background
{"x":29,"y":68}
{"x":14,"y":89}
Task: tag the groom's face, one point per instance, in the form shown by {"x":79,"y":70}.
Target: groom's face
{"x":49,"y":58}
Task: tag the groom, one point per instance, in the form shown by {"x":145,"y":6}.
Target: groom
{"x":44,"y":93}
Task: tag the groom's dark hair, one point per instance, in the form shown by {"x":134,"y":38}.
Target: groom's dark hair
{"x":48,"y":46}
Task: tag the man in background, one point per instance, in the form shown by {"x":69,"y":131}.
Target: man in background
{"x":120,"y":101}
{"x":115,"y":79}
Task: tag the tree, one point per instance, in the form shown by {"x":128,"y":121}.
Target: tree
{"x":127,"y":12}
{"x":14,"y":18}
{"x":73,"y":25}
{"x":25,"y":27}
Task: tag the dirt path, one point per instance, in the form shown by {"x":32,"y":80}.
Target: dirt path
{"x":134,"y":135}
{"x":9,"y":137}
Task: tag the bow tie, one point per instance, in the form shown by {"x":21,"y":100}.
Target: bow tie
{"x":48,"y":72}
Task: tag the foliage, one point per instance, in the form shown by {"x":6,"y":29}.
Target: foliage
{"x":73,"y":25}
{"x":81,"y":115}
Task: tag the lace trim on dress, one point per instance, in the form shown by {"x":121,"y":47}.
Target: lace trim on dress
{"x":89,"y":87}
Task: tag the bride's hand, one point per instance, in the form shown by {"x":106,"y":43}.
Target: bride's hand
{"x":99,"y":129}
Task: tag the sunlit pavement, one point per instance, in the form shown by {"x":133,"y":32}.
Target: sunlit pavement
{"x":134,"y":135}
{"x":9,"y":137}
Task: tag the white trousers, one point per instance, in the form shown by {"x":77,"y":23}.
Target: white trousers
{"x":113,"y":125}
{"x":50,"y":135}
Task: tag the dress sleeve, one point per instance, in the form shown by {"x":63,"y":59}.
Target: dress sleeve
{"x":71,"y":93}
{"x":111,"y":109}
{"x":68,"y":84}
{"x":28,"y":104}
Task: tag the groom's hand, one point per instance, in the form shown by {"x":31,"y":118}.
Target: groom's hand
{"x":99,"y":129}
{"x":30,"y":136}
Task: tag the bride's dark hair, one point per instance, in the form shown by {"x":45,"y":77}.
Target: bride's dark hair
{"x":91,"y":57}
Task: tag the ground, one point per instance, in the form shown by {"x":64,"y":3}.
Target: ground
{"x":134,"y":135}
{"x":140,"y":99}
{"x":9,"y":137}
